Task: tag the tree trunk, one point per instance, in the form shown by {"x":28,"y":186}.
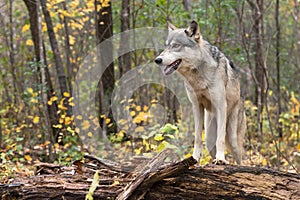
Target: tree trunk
{"x":34,"y":29}
{"x":67,"y":48}
{"x":104,"y":30}
{"x":260,"y":65}
{"x":12,"y":52}
{"x":188,"y":4}
{"x":153,"y":181}
{"x":43,"y":72}
{"x":125,"y":60}
{"x":58,"y":61}
{"x":279,"y":126}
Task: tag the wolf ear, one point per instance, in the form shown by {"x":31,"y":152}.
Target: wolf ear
{"x":171,"y":27}
{"x":193,"y":31}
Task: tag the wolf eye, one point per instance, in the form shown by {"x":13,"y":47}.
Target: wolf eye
{"x":175,"y":46}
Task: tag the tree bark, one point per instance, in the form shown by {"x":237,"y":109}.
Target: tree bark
{"x":125,"y":60}
{"x":279,"y":126}
{"x":12,"y":53}
{"x":58,"y":61}
{"x":34,"y":29}
{"x":43,"y":72}
{"x":155,"y":180}
{"x":260,"y":71}
{"x":188,"y":4}
{"x":67,"y":48}
{"x":104,"y":30}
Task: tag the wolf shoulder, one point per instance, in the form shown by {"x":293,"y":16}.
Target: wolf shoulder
{"x":230,"y":69}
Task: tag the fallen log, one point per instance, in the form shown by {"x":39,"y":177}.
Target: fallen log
{"x":228,"y":182}
{"x":155,"y":180}
{"x":138,"y":188}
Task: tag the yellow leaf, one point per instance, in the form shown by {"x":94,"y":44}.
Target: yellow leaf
{"x":123,"y":101}
{"x":74,"y":4}
{"x":142,"y":116}
{"x":71,"y":99}
{"x":34,"y":101}
{"x":25,"y":28}
{"x":105,"y":3}
{"x":107,"y":121}
{"x":154,"y":101}
{"x":145,"y":108}
{"x":264,"y":162}
{"x":66,"y":94}
{"x":90,"y":5}
{"x":57,"y":27}
{"x":138,"y":108}
{"x":90,"y":134}
{"x":57,"y":126}
{"x":158,"y":137}
{"x":85,"y":125}
{"x":79,"y":117}
{"x":29,"y":42}
{"x":139,"y":129}
{"x":44,"y":27}
{"x":187,"y":155}
{"x":54,"y":98}
{"x":72,"y":39}
{"x":138,"y":151}
{"x":67,"y":120}
{"x":68,"y":159}
{"x":103,"y":116}
{"x":96,"y":121}
{"x":30,"y":90}
{"x":89,"y":195}
{"x":28,"y":158}
{"x":132,"y":113}
{"x":298,"y":147}
{"x":70,"y":130}
{"x":146,"y":144}
{"x":36,"y":119}
{"x":115,"y":183}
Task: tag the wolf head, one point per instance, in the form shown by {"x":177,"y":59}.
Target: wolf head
{"x":182,"y":48}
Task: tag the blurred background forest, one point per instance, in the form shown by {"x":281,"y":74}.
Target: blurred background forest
{"x":43,"y":44}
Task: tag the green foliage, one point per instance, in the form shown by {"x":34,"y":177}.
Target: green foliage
{"x":274,"y":149}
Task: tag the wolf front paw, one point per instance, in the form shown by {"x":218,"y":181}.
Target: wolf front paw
{"x":220,"y":162}
{"x":197,"y":156}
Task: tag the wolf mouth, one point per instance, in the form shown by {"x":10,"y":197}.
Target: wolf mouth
{"x":172,"y":67}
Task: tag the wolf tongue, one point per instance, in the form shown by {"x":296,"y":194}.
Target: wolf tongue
{"x":168,"y":70}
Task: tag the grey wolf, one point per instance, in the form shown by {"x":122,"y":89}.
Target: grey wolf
{"x":212,"y":85}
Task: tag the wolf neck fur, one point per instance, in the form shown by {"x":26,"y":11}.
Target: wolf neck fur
{"x":201,"y":75}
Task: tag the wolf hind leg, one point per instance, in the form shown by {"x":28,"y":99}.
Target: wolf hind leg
{"x":232,"y":135}
{"x":241,"y":128}
{"x":211,"y":133}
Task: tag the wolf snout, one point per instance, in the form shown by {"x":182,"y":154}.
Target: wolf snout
{"x":158,"y":60}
